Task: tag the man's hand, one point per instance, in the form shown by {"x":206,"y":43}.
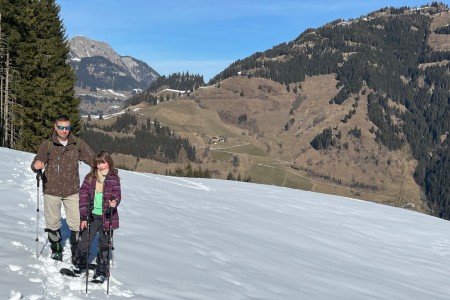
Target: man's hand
{"x":39,"y":165}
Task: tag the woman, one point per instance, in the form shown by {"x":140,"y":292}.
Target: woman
{"x":99,"y":192}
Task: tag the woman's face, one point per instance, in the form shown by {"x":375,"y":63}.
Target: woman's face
{"x":102,"y":165}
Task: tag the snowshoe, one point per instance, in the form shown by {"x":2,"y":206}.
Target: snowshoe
{"x":74,"y":272}
{"x":68,"y":272}
{"x":99,"y":279}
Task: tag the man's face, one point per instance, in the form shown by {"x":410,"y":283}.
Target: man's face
{"x":62,"y":129}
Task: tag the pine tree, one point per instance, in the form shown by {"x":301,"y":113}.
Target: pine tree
{"x":44,"y":84}
{"x":13,"y":25}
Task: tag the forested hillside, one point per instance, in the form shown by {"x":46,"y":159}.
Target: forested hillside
{"x":148,"y":139}
{"x":389,"y":53}
{"x":103,"y":66}
{"x":181,"y":82}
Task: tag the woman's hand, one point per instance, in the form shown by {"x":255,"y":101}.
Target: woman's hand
{"x":83,"y":225}
{"x":112,"y":203}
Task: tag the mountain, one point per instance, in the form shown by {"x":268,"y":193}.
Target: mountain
{"x":105,"y":78}
{"x":388,"y":84}
{"x":357,"y":108}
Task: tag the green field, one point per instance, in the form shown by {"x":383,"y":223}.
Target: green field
{"x":186,"y":116}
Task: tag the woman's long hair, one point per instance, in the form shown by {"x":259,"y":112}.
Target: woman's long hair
{"x":100,"y":157}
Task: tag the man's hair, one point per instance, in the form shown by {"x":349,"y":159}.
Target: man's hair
{"x":62,"y":118}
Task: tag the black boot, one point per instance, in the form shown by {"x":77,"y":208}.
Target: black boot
{"x":54,"y":238}
{"x":74,"y":237}
{"x":101,"y":272}
{"x":79,"y":260}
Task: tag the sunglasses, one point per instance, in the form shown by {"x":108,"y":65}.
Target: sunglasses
{"x":64,"y":127}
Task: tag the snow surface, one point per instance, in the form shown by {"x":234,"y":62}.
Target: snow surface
{"x":200,"y":239}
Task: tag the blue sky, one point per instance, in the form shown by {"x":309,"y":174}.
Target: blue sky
{"x":204,"y":36}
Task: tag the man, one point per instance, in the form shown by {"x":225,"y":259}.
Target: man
{"x":59,"y":156}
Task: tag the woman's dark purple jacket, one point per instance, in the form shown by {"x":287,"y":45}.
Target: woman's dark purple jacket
{"x":111,"y":190}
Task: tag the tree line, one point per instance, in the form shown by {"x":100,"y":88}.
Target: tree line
{"x":144,"y":140}
{"x":184,"y":83}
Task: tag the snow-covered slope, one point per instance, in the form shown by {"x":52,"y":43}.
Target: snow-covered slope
{"x":184,"y":238}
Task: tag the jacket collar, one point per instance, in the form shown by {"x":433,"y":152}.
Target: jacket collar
{"x":56,"y":141}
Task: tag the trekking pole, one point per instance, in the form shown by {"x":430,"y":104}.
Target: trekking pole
{"x":109,"y":247}
{"x":88,"y":244}
{"x":38,"y":178}
{"x":112,"y":251}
